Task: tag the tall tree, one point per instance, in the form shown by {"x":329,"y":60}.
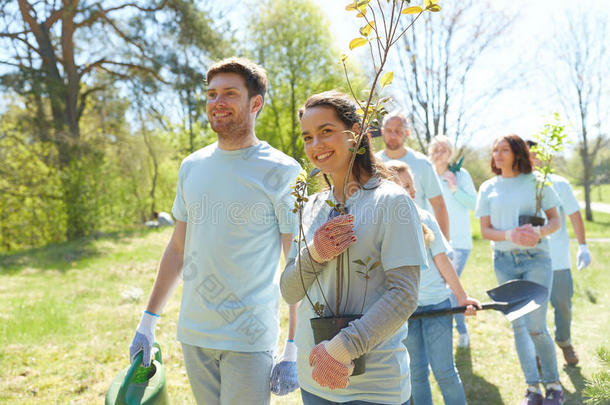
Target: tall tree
{"x":53,"y":52}
{"x":292,"y":40}
{"x":437,"y":60}
{"x":582,"y":86}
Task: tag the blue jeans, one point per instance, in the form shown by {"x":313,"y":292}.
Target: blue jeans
{"x":430,"y":342}
{"x":531,"y":334}
{"x":311,"y":399}
{"x":561,"y":299}
{"x":460,"y":256}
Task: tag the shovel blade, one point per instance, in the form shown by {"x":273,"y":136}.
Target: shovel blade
{"x":520,"y":297}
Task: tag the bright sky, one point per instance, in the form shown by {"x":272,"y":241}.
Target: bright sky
{"x":524,"y":108}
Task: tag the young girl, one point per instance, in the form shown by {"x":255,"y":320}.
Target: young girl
{"x":430,"y":339}
{"x":522,"y":252}
{"x":460,"y":198}
{"x":381,"y":226}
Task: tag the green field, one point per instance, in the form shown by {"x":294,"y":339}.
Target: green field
{"x":68,"y":317}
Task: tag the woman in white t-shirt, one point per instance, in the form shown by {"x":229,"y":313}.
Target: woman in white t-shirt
{"x":522,"y":252}
{"x":382,"y":230}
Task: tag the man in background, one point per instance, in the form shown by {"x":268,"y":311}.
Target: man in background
{"x":562,"y":288}
{"x":394,"y":133}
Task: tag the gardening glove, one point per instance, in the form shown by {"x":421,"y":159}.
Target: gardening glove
{"x":327,"y":370}
{"x":144,"y":338}
{"x":583,"y":259}
{"x":284,"y":374}
{"x":523,"y":236}
{"x":332,"y":238}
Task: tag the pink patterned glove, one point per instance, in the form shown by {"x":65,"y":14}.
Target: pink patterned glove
{"x":332,"y":238}
{"x":327,"y":371}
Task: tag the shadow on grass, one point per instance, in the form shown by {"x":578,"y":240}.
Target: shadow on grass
{"x":61,"y":256}
{"x":478,"y":390}
{"x":579,"y":382}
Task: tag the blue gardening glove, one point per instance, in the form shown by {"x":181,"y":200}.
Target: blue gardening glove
{"x":284,"y":375}
{"x":583,"y":258}
{"x":144,"y":338}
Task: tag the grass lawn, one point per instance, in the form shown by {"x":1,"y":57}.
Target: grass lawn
{"x":69,"y":312}
{"x":600,"y":193}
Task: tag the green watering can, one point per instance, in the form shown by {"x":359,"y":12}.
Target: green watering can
{"x":137,"y":385}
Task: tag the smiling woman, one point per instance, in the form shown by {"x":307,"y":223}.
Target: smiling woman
{"x":383,"y":295}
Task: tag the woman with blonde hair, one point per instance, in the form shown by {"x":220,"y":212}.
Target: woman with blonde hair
{"x":429,"y":340}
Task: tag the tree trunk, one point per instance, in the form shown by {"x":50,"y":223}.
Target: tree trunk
{"x":293,"y":118}
{"x":586,"y":161}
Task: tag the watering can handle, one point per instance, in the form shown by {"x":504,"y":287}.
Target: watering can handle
{"x":137,"y":363}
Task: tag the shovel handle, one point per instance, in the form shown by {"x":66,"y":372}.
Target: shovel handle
{"x":454,"y":310}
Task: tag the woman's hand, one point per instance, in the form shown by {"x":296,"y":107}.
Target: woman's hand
{"x":332,"y":238}
{"x":471,"y":304}
{"x":328,"y":371}
{"x":451,"y":180}
{"x":525,"y":235}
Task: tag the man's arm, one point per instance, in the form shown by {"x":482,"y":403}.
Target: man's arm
{"x":170,"y":270}
{"x":440,"y":212}
{"x":583,"y":258}
{"x":579,"y":227}
{"x":292,"y":308}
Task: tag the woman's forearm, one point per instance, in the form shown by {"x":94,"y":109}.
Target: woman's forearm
{"x":387,"y":315}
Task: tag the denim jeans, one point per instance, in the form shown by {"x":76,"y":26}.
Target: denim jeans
{"x":531,"y":333}
{"x":430,"y":342}
{"x":460,"y":256}
{"x":561,"y":299}
{"x":311,"y":399}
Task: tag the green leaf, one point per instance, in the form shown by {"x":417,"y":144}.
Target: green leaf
{"x":330,"y":203}
{"x":386,"y":79}
{"x":374,"y":266}
{"x":366,"y":30}
{"x":351,"y":6}
{"x":361,"y":151}
{"x":357,"y":42}
{"x":360,"y":262}
{"x":368,"y":260}
{"x":412,"y":10}
{"x":432,"y":6}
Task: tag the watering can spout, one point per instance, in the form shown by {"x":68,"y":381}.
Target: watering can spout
{"x":137,"y":385}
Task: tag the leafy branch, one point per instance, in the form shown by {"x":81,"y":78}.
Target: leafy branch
{"x":550,"y":141}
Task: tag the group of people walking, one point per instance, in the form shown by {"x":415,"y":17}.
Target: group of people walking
{"x":234,"y":215}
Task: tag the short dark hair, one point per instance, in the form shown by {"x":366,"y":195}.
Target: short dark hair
{"x":521,"y":153}
{"x":253,"y":74}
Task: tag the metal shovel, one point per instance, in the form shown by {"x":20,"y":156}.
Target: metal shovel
{"x":514,"y":299}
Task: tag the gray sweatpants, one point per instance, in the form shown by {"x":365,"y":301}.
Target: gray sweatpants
{"x":228,"y":378}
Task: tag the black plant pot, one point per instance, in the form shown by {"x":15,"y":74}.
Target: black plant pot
{"x":327,"y":327}
{"x":530,"y":219}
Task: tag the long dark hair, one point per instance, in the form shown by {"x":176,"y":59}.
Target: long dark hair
{"x":522,"y":161}
{"x":346,"y":110}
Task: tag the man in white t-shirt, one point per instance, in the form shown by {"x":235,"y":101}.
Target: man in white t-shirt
{"x":394,"y":132}
{"x":562,"y":287}
{"x":233,"y":211}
